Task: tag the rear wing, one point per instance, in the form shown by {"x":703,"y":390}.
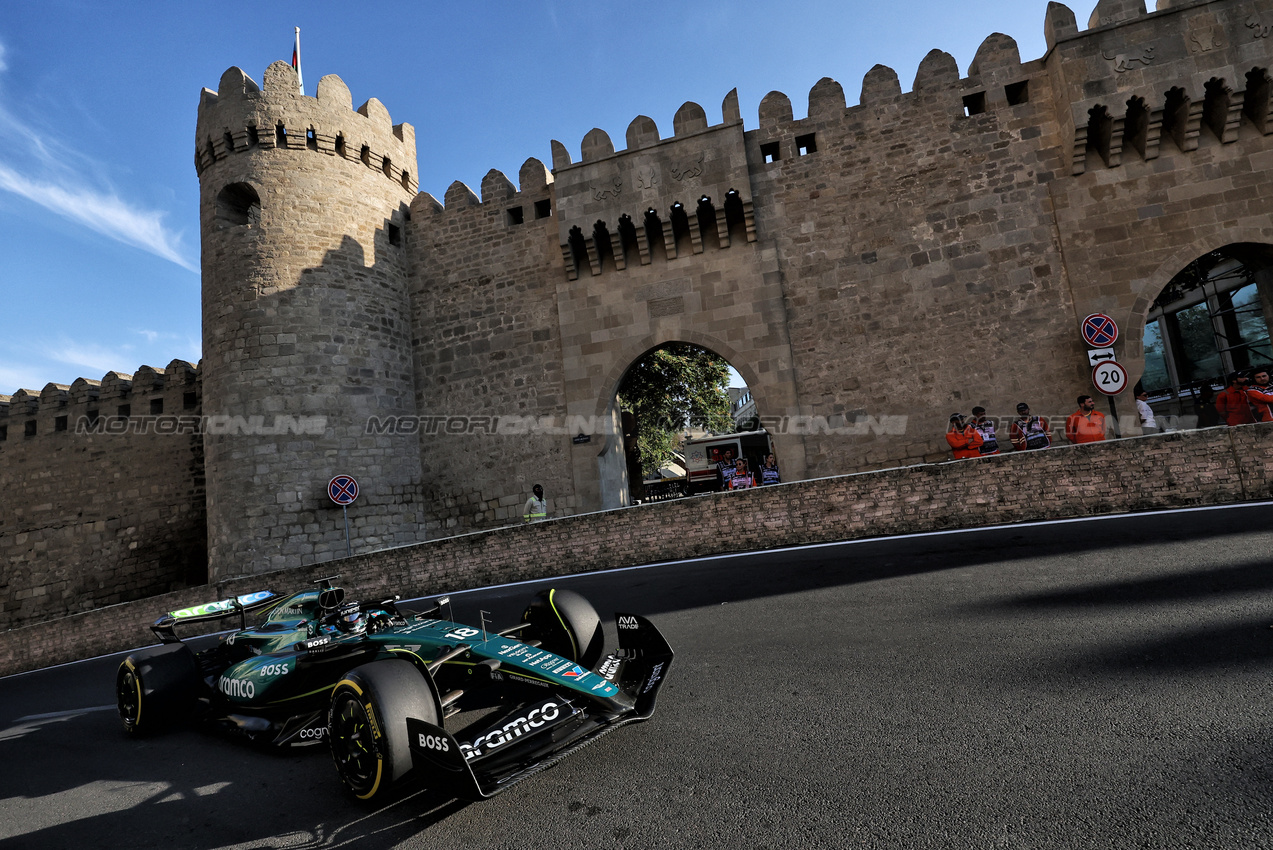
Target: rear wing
{"x":209,"y":611}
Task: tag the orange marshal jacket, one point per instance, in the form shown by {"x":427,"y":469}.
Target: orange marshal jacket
{"x":1083,"y":427}
{"x":1233,"y":407}
{"x":1262,"y":400}
{"x":965,"y":443}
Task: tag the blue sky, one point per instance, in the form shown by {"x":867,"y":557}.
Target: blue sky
{"x":99,"y":230}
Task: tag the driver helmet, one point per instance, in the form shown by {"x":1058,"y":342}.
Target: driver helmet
{"x":350,"y":619}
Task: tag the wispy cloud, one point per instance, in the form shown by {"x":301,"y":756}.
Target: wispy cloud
{"x":35,"y":166}
{"x":106,"y":214}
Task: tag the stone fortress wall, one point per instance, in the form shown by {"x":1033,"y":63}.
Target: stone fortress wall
{"x":866,"y":268}
{"x":103,"y":489}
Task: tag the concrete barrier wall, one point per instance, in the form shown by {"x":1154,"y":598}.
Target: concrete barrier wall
{"x":1211,"y":467}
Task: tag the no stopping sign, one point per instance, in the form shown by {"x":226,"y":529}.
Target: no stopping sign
{"x":342,"y":489}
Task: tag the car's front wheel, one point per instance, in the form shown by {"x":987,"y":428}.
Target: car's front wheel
{"x":566,"y":624}
{"x":367,"y":725}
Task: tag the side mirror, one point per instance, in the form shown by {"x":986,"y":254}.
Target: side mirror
{"x":330,"y":598}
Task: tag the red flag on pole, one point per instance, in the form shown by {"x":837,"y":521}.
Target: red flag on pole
{"x":296,"y":62}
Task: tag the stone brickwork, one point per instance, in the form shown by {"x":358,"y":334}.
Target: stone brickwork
{"x":103,"y":493}
{"x":1210,"y":467}
{"x":868,"y":268}
{"x":306,"y":322}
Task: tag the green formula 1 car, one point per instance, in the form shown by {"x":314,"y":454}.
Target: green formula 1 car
{"x":469,"y":710}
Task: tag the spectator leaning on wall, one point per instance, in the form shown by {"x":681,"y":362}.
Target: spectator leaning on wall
{"x":1087,"y":424}
{"x":1260,"y":394}
{"x":964,"y":439}
{"x":1029,"y":432}
{"x":1232,"y":404}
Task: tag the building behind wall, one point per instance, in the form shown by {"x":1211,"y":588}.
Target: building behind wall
{"x":867,"y":269}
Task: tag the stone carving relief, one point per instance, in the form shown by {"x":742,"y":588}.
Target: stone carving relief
{"x":607,"y":190}
{"x":1205,"y":35}
{"x":1261,"y":29}
{"x":1124,"y":62}
{"x":686,"y":169}
{"x":647,"y":177}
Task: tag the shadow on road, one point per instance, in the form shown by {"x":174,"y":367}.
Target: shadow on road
{"x":191,"y":790}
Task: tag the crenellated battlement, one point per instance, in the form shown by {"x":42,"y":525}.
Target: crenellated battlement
{"x":174,"y":390}
{"x":241,"y":116}
{"x":1135,"y":79}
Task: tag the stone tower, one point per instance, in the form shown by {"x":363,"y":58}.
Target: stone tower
{"x":306,"y":327}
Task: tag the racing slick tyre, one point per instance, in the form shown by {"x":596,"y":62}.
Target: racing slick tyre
{"x":156,"y":688}
{"x":367,"y":727}
{"x":566,"y":624}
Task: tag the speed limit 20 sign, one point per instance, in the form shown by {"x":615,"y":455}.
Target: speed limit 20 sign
{"x":1110,"y":378}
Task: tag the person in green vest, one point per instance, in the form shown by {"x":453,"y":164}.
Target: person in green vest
{"x":536,"y":507}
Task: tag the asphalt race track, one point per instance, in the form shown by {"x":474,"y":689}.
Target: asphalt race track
{"x":1083,"y":684}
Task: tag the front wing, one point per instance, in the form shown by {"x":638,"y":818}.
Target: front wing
{"x":534,"y":737}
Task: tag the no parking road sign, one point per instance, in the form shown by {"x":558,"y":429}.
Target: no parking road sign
{"x":342,"y":490}
{"x":1099,"y":330}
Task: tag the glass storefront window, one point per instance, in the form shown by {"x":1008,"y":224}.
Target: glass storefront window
{"x":1157,"y":379}
{"x":1200,"y":355}
{"x":1247,"y":331}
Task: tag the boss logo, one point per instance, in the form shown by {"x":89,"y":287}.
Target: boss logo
{"x":434,"y":742}
{"x":275,"y":670}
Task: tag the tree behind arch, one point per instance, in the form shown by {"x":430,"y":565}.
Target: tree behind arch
{"x":670,"y":388}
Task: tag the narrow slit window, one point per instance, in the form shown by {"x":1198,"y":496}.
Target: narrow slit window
{"x":59,"y":424}
{"x":189,"y":401}
{"x":29,"y":428}
{"x":1017,"y":93}
{"x":543,"y":209}
{"x":124,"y":411}
{"x":395,"y":235}
{"x":311,"y":139}
{"x":806,"y":145}
{"x":771,"y":151}
{"x":514,"y":215}
{"x":156,"y":406}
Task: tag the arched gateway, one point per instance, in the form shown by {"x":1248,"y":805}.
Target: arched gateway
{"x":868,"y":269}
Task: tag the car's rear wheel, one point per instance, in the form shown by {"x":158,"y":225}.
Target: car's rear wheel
{"x":156,"y":688}
{"x":367,"y":724}
{"x":566,"y":624}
